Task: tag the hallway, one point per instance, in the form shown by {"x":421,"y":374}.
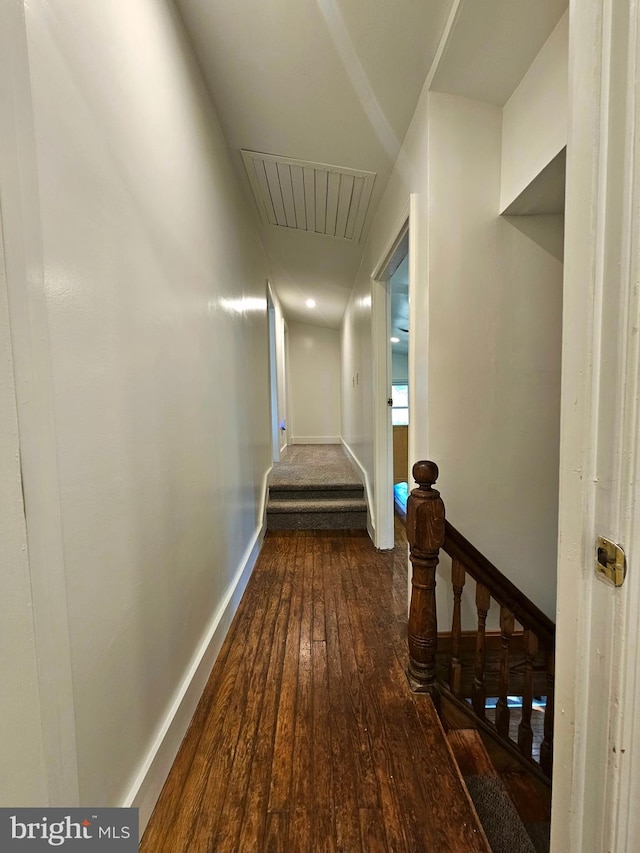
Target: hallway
{"x":307,"y":737}
{"x":199,"y":205}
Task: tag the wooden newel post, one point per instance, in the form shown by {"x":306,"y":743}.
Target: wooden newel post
{"x":425,"y":532}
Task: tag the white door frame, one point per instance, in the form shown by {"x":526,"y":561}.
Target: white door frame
{"x":597,"y":730}
{"x":273,"y":375}
{"x":288,"y":434}
{"x":380,"y":326}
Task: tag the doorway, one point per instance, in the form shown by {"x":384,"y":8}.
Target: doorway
{"x":392,"y":283}
{"x":273,"y":379}
{"x":398,"y":296}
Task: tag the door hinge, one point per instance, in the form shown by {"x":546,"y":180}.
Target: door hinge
{"x":611,"y":563}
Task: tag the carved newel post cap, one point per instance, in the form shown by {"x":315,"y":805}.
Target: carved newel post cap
{"x":425,"y":473}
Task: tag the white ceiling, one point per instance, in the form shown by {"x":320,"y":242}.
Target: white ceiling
{"x":336,"y":82}
{"x":328,"y":81}
{"x":493,"y":44}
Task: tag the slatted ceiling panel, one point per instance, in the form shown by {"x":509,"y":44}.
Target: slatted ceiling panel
{"x":362,"y":211}
{"x":321,"y":201}
{"x":271,"y":171}
{"x":286,"y":188}
{"x":356,"y":195}
{"x":265,"y":196}
{"x":310,"y":197}
{"x":327,"y":200}
{"x":344,"y":203}
{"x":297,"y":184}
{"x":333,"y":189}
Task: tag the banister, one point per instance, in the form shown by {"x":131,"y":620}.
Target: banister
{"x":427,"y":533}
{"x":502,"y":589}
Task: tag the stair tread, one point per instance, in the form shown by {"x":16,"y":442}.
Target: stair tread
{"x":470,"y":753}
{"x":459,"y":714}
{"x":317,"y":494}
{"x":521,"y":791}
{"x":502,"y":824}
{"x":318,"y":487}
{"x":532,"y":799}
{"x":318,"y":505}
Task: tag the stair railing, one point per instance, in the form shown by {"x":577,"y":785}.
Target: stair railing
{"x":528,"y":654}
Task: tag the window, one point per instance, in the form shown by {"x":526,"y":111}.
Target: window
{"x":399,"y":405}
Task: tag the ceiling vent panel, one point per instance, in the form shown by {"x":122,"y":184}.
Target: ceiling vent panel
{"x":327,"y":200}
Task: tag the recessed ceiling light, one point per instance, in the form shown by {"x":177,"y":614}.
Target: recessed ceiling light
{"x":395,"y":340}
{"x":310,"y":303}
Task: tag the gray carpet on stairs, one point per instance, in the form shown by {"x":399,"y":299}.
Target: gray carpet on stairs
{"x":540,"y":834}
{"x":307,"y":465}
{"x":505,"y":831}
{"x":314,"y":487}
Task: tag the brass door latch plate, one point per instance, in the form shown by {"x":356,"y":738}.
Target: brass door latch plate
{"x":611,"y":563}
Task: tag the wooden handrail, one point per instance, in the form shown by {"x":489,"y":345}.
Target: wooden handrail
{"x":501,"y":588}
{"x":427,"y":533}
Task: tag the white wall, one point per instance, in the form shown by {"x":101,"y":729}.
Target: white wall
{"x":486,"y":354}
{"x":399,"y":367}
{"x":153,"y":285}
{"x":494,"y":353}
{"x":357,"y":382}
{"x":314,"y":384}
{"x":23,"y":777}
{"x":358,"y":414}
{"x":535,"y":118}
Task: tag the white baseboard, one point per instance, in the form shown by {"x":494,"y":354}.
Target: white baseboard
{"x":154,"y":769}
{"x":316,"y":439}
{"x":371,"y":527}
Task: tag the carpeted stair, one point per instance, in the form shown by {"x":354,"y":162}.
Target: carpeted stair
{"x":315,"y":487}
{"x":503,"y":825}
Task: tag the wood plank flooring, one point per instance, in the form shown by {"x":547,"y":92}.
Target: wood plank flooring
{"x":307,"y":738}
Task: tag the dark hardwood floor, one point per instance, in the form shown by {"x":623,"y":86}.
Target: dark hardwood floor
{"x":307,"y":738}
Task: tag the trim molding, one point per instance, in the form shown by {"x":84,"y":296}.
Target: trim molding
{"x":418,"y":356}
{"x":316,"y":439}
{"x":443,"y":44}
{"x":596,"y":780}
{"x":371,"y":524}
{"x":381,"y":353}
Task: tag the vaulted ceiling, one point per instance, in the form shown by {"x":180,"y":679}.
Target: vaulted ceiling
{"x":336,"y":82}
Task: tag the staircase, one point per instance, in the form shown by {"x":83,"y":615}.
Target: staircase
{"x":494,"y":691}
{"x":315,"y":487}
{"x":513,"y":808}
